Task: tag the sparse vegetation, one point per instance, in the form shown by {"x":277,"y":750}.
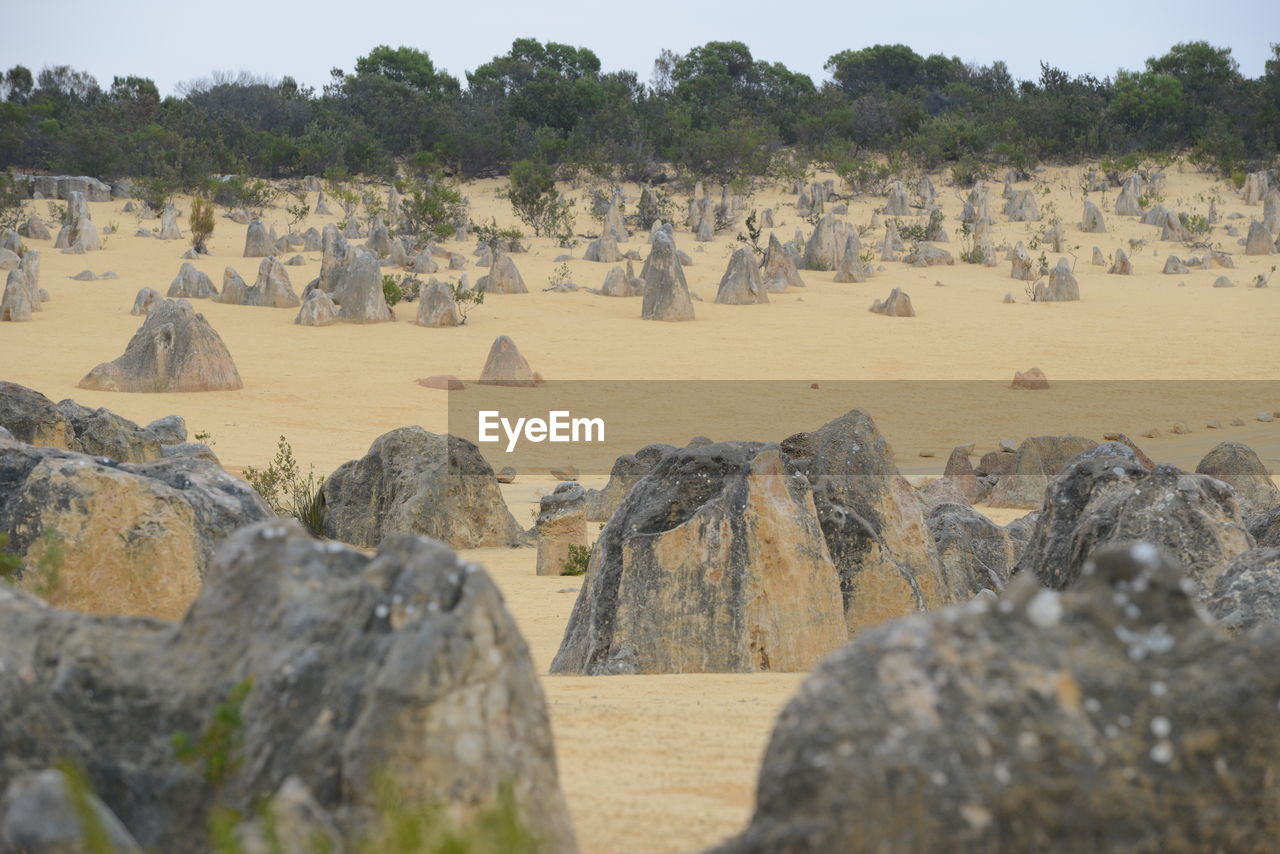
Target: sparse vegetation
{"x":579,"y":557}
{"x":537,"y":202}
{"x":287,"y":491}
{"x":201,"y":222}
{"x":298,"y":210}
{"x":466,"y":298}
{"x":219,"y":747}
{"x":12,"y":201}
{"x":391,"y":289}
{"x":752,"y":236}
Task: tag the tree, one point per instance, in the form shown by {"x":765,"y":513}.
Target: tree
{"x":888,"y":67}
{"x":535,"y":199}
{"x":410,"y":67}
{"x":18,"y":84}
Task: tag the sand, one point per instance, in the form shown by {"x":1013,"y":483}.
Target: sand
{"x":668,"y":763}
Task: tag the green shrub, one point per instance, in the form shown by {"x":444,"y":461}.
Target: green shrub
{"x":201,"y":222}
{"x":287,"y":491}
{"x":431,"y":208}
{"x":576,"y":564}
{"x":537,"y":202}
{"x":13,"y":198}
{"x":10,"y":563}
{"x":155,"y":192}
{"x":391,"y":289}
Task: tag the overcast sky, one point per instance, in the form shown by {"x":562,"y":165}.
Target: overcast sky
{"x":176,"y":40}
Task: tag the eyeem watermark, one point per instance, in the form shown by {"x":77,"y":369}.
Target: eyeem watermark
{"x":558,"y":426}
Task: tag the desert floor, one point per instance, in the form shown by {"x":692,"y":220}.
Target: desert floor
{"x":668,"y":763}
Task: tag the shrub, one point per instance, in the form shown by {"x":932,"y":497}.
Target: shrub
{"x":201,"y":222}
{"x":10,"y":563}
{"x":467,"y":299}
{"x":576,"y":564}
{"x":287,"y":491}
{"x":431,"y":208}
{"x":12,"y":199}
{"x":252,"y":194}
{"x":752,"y":236}
{"x":537,"y":202}
{"x":155,"y":192}
{"x":298,"y":211}
{"x":391,"y":289}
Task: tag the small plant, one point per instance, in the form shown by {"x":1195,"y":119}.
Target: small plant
{"x":489,"y":234}
{"x":219,"y":748}
{"x":10,"y":564}
{"x":57,"y":212}
{"x":752,"y":237}
{"x":298,"y":211}
{"x":537,"y":202}
{"x":431,"y":208}
{"x":912,"y":231}
{"x":155,"y":192}
{"x":576,"y":563}
{"x":287,"y":491}
{"x":1195,"y":223}
{"x":206,"y":437}
{"x":654,"y":205}
{"x":391,"y":289}
{"x":410,"y":288}
{"x":466,"y":298}
{"x":201,"y":221}
{"x":252,"y":194}
{"x":560,"y":276}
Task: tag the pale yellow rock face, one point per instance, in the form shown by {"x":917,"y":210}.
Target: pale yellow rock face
{"x":128,"y":544}
{"x":554,"y":540}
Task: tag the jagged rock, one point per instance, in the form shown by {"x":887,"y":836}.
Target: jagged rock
{"x":1238,"y":466}
{"x":399,"y":669}
{"x":1173,"y":266}
{"x":1173,"y":229}
{"x":169,"y":430}
{"x":1038,"y":459}
{"x":897,"y":203}
{"x":1122,"y":266}
{"x":413,"y":481}
{"x":928,"y":255}
{"x":1099,"y":260}
{"x":897,"y":304}
{"x":1033,"y":380}
{"x":871,"y":521}
{"x":1060,"y":287}
{"x":666,"y":293}
{"x":40,"y":814}
{"x":713,"y":562}
{"x":379,"y":242}
{"x":143,"y":302}
{"x":1259,"y":240}
{"x":603,"y":250}
{"x":1056,"y":237}
{"x":740,"y":284}
{"x":191,"y":283}
{"x":626,"y":472}
{"x":1108,"y":497}
{"x":779,"y":271}
{"x":975,"y":553}
{"x":102,"y":433}
{"x":423,"y":263}
{"x":505,"y":365}
{"x":852,"y":268}
{"x":169,"y":224}
{"x":1020,"y":264}
{"x":503,"y":278}
{"x":78,"y":232}
{"x":437,"y":307}
{"x":613,"y":225}
{"x":976,"y":206}
{"x":1092,"y":221}
{"x":1022,"y":207}
{"x":272,"y":288}
{"x":175,"y":350}
{"x":1127,"y":203}
{"x":561,"y":522}
{"x":618,"y":284}
{"x":1248,"y":590}
{"x":35,"y":229}
{"x":1094,"y":705}
{"x":136,"y":537}
{"x":1256,"y":185}
{"x":357,"y":289}
{"x":257,"y":242}
{"x":16,"y":304}
{"x":1219,"y":258}
{"x":827,"y":244}
{"x":312,"y":240}
{"x":1270,"y":210}
{"x":28,"y":416}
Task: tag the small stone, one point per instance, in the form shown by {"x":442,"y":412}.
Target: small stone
{"x":507,"y":475}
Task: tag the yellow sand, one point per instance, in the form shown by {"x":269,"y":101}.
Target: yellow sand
{"x":667,"y":763}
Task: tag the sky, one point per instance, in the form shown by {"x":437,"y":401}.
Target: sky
{"x":171,"y":41}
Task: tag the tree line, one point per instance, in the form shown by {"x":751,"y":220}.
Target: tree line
{"x":715,"y":111}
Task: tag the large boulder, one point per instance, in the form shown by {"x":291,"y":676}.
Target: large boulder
{"x":35,"y":229}
{"x":102,"y":433}
{"x":1238,"y":465}
{"x":134,"y":538}
{"x":78,"y":233}
{"x":1022,"y":207}
{"x":852,"y":268}
{"x":714,"y":562}
{"x":1039,"y":458}
{"x":1247,"y":592}
{"x":191,"y":283}
{"x":32,"y":418}
{"x":356,"y":674}
{"x":503,"y":277}
{"x":826,"y":246}
{"x":897,"y":203}
{"x":779,"y":271}
{"x":666,"y":293}
{"x":561,"y":523}
{"x":1106,"y":496}
{"x":1127,"y":203}
{"x":506,"y":366}
{"x":1108,"y":718}
{"x":413,"y":481}
{"x":357,"y":289}
{"x":16,"y":304}
{"x":626,"y":472}
{"x":872,"y":523}
{"x":318,"y":309}
{"x":1259,"y":240}
{"x":974,"y":553}
{"x":437,"y":307}
{"x":604,"y":250}
{"x":1092,"y":221}
{"x":740,"y":284}
{"x":1060,"y":287}
{"x":257,"y":241}
{"x":175,"y":350}
{"x":272,"y":288}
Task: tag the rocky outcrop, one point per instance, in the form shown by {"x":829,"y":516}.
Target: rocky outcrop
{"x":626,"y":472}
{"x":318,"y":309}
{"x":561,"y":523}
{"x":41,"y":812}
{"x":974,"y":553}
{"x":1038,"y":459}
{"x":145,"y":300}
{"x":1259,"y":240}
{"x":503,"y":277}
{"x":603,"y":250}
{"x":897,"y":304}
{"x":1092,"y":221}
{"x":1061,"y":285}
{"x":666,"y":293}
{"x":1107,"y":718}
{"x":1033,"y":379}
{"x":740,"y":284}
{"x":1238,"y":466}
{"x":35,"y":229}
{"x":1106,"y":496}
{"x":779,"y":271}
{"x":357,"y":289}
{"x":505,"y":365}
{"x":1127,"y":203}
{"x":352,"y":674}
{"x":1022,"y":207}
{"x":1247,"y":592}
{"x":897,"y":203}
{"x":437,"y":307}
{"x":191,"y":283}
{"x":827,"y":245}
{"x":415,"y":482}
{"x":78,"y":233}
{"x":16,"y":304}
{"x":32,"y":418}
{"x":714,"y":562}
{"x":257,"y":241}
{"x":175,"y":350}
{"x":928,"y":255}
{"x":134,"y":538}
{"x":1121,"y":266}
{"x":272,"y":288}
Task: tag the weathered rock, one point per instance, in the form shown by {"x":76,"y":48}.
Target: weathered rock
{"x":16,"y":305}
{"x":1173,"y":229}
{"x":1022,"y":207}
{"x":1173,"y":266}
{"x":626,"y":472}
{"x":562,"y":522}
{"x":357,"y":288}
{"x":897,"y":204}
{"x":39,"y":814}
{"x":505,"y":366}
{"x":714,"y":562}
{"x":78,"y":233}
{"x":102,"y":433}
{"x":666,"y":293}
{"x":827,"y":245}
{"x":604,"y":250}
{"x":1259,"y":241}
{"x":740,"y":284}
{"x":1061,"y":285}
{"x":503,"y":278}
{"x":35,"y":229}
{"x":1256,"y":185}
{"x":257,"y":242}
{"x":318,"y":309}
{"x":413,"y":481}
{"x":618,"y":284}
{"x":897,"y":304}
{"x":191,"y":283}
{"x":437,"y":307}
{"x":169,"y":224}
{"x":1107,"y":497}
{"x":351,"y":672}
{"x":779,"y":271}
{"x":1238,"y":466}
{"x":928,"y":255}
{"x":145,"y":300}
{"x":1038,"y":459}
{"x":1092,"y":221}
{"x":30,"y":417}
{"x":1051,"y":722}
{"x":975,"y":553}
{"x":871,"y":521}
{"x":379,"y":242}
{"x":976,"y":206}
{"x":1223,"y":282}
{"x":1121,"y":266}
{"x":1127,"y":203}
{"x":175,"y":350}
{"x":1248,"y":590}
{"x":170,"y":430}
{"x":851,"y":267}
{"x":1033,"y":380}
{"x":959,"y":470}
{"x":272,"y":288}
